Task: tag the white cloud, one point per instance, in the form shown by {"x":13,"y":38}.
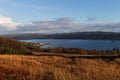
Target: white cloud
{"x":7,"y":23}
{"x":7,"y":26}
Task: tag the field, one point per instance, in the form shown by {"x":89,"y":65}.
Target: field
{"x":20,"y":67}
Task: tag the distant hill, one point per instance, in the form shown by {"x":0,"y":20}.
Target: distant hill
{"x":73,"y":35}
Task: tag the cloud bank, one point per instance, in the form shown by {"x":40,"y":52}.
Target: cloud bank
{"x":61,"y":25}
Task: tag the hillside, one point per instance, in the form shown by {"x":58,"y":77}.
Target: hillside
{"x":11,"y":46}
{"x":73,"y":35}
{"x":17,"y":67}
{"x":47,"y":64}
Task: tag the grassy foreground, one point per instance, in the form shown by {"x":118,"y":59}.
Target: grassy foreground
{"x":19,"y":67}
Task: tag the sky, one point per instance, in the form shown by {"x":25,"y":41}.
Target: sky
{"x":59,"y":16}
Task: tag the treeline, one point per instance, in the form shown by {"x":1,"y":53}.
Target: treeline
{"x":74,"y":35}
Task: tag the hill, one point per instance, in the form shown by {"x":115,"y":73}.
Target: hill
{"x":11,"y":46}
{"x":73,"y":35}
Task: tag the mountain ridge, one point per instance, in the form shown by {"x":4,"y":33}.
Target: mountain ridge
{"x":73,"y":35}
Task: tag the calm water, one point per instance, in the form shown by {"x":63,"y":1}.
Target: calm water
{"x":86,"y":44}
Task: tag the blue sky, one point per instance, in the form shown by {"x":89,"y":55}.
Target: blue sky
{"x":81,"y":11}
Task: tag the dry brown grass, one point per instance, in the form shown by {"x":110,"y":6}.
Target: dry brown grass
{"x":18,"y":67}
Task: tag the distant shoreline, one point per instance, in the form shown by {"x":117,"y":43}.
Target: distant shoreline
{"x":73,"y":35}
